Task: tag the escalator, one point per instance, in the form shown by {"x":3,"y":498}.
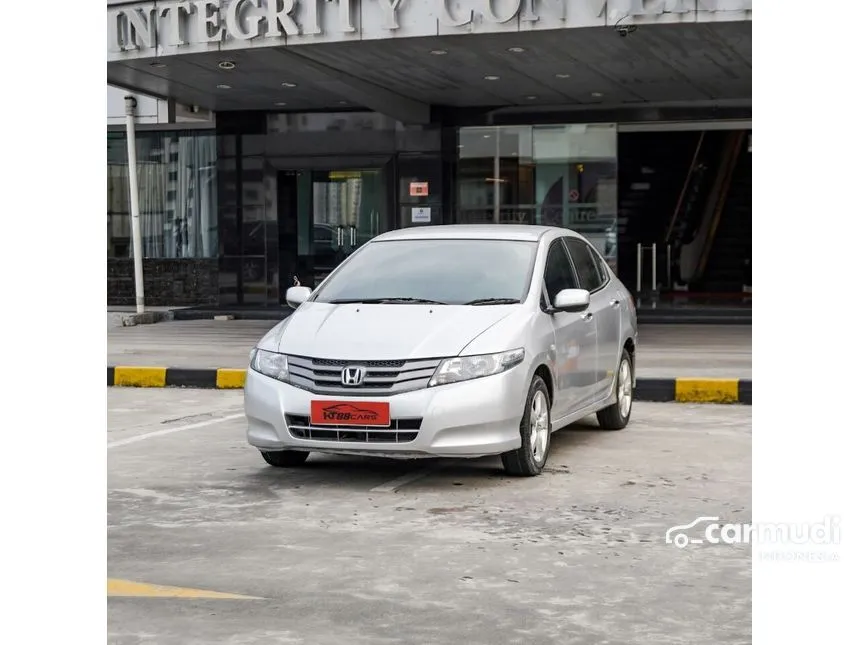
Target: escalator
{"x":685,"y":224}
{"x":652,"y":170}
{"x":727,"y":268}
{"x":664,"y":180}
{"x":709,"y":245}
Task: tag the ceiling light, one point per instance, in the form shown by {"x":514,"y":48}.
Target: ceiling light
{"x":157,"y":63}
{"x":491,"y":78}
{"x":562,"y":75}
{"x":438,"y":52}
{"x":343,"y":102}
{"x":288,"y":84}
{"x":227,"y":64}
{"x":223,"y":87}
{"x":597,"y":95}
{"x":516,"y":50}
{"x":280,"y":104}
{"x":486,"y":136}
{"x":531,"y":97}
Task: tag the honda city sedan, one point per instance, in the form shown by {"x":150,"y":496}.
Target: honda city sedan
{"x":447,"y":341}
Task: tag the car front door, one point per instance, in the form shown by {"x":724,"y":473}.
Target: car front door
{"x":575,"y":337}
{"x":605,"y":305}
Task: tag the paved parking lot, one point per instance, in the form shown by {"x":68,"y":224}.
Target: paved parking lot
{"x":360,"y":550}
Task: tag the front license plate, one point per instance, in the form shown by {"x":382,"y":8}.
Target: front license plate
{"x":348,"y":413}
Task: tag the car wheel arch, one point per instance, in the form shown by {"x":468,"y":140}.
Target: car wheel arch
{"x":630,"y":346}
{"x":545,"y":373}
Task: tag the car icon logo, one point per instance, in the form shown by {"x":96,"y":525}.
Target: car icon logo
{"x":352,"y":375}
{"x":677,"y":535}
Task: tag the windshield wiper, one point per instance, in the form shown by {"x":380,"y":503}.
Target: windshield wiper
{"x":493,"y":301}
{"x":384,"y":301}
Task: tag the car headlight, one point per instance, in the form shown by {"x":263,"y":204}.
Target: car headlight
{"x":270,"y":363}
{"x":465,"y":368}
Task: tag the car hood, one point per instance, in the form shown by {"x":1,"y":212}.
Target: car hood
{"x":385,"y":332}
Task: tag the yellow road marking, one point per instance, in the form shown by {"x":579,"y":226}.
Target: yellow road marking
{"x":706,"y":390}
{"x":128,"y":589}
{"x":229,"y":378}
{"x":140,"y":376}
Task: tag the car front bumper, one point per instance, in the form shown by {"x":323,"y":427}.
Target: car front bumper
{"x":468,"y":419}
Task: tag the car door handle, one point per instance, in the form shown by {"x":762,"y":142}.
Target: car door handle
{"x":614,"y":303}
{"x":587,"y":316}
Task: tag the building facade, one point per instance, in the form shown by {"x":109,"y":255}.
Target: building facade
{"x":282,"y":135}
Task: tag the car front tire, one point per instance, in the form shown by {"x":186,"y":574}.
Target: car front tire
{"x":617,"y":415}
{"x":284,"y":458}
{"x":535,"y":430}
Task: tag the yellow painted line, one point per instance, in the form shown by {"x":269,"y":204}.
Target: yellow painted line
{"x":128,"y":589}
{"x":230,"y":378}
{"x":140,"y":376}
{"x":706,"y":390}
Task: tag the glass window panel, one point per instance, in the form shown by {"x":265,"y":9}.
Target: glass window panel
{"x":576,"y":182}
{"x":558,"y":274}
{"x":557,"y":175}
{"x":586,"y":268}
{"x":253,"y":206}
{"x":177,"y":195}
{"x":516,"y":175}
{"x":228,"y":207}
{"x":476,"y":175}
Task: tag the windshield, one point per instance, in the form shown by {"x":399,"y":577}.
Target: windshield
{"x":440,"y":271}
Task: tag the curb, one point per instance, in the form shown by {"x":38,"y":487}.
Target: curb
{"x":122,"y":319}
{"x":663,"y":390}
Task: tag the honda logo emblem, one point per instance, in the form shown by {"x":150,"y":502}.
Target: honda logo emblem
{"x":352,"y":375}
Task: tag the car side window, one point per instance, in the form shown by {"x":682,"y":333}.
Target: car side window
{"x":590,"y":276}
{"x":601,"y":267}
{"x":559,"y":273}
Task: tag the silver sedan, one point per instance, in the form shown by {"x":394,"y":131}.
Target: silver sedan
{"x":447,"y":341}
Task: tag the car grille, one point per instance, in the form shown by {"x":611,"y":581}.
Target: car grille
{"x":322,"y":375}
{"x":400,"y":431}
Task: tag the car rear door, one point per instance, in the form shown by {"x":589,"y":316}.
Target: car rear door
{"x":605,"y":305}
{"x":575,"y":338}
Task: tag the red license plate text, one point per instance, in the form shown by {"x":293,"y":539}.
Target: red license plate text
{"x":350,"y":413}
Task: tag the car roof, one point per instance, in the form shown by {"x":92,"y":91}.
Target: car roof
{"x":517,"y":232}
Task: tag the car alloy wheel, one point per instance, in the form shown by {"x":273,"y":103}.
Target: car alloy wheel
{"x":625,"y":389}
{"x":539,"y":426}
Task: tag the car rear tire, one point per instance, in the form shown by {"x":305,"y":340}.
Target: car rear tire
{"x":617,"y":415}
{"x":535,"y":430}
{"x":284,"y":458}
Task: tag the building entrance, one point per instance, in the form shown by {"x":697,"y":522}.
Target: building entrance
{"x":324,"y":215}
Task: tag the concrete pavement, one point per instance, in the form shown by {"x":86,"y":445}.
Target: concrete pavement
{"x":665,"y":351}
{"x":367,"y":551}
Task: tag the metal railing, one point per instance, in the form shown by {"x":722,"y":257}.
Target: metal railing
{"x":655,"y":250}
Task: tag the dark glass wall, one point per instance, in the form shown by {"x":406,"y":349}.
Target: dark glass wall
{"x":269,"y":165}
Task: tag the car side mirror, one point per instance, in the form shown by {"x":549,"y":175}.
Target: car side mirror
{"x":572,"y":300}
{"x":297,"y":295}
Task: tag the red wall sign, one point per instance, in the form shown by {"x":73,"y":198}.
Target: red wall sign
{"x":419,"y":189}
